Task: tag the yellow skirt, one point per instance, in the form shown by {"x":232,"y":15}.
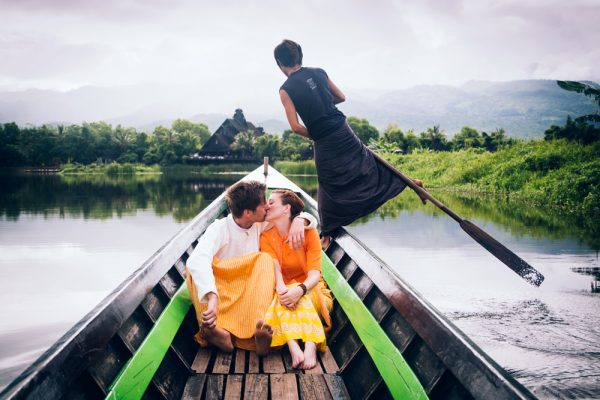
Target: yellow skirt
{"x":303,"y":323}
{"x":245,"y":285}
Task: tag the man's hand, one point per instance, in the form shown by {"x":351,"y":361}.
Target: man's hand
{"x":209,"y":317}
{"x":290,"y":298}
{"x":295,"y":237}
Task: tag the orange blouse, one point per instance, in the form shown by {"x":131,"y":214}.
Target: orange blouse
{"x":295,"y":264}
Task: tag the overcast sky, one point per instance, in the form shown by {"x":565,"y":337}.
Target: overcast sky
{"x":228,"y":44}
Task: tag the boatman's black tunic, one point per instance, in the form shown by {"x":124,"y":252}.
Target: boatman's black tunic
{"x":351,"y":182}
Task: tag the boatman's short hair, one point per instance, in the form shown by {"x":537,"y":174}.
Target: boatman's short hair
{"x":288,"y":53}
{"x":245,"y":195}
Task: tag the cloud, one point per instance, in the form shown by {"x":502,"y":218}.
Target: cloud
{"x":228,"y":45}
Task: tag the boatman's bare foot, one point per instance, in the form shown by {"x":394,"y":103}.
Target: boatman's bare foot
{"x":219,"y":338}
{"x":325,"y":240}
{"x":419,"y":183}
{"x":310,"y":356}
{"x":262,"y":337}
{"x":297,"y":354}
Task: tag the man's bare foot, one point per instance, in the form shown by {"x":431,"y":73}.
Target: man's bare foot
{"x":419,"y":183}
{"x":297,"y":354}
{"x":325,"y":240}
{"x":262,"y":336}
{"x":310,"y":355}
{"x":219,"y":338}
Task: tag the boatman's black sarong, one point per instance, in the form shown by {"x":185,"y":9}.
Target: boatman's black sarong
{"x":352,"y":183}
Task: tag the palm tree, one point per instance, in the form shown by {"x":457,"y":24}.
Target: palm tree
{"x":591,"y":90}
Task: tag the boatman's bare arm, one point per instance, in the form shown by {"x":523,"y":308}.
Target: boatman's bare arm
{"x":338,"y":95}
{"x":292,"y":116}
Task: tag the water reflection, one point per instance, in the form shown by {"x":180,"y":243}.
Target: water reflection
{"x":104,"y":197}
{"x":516,"y":218}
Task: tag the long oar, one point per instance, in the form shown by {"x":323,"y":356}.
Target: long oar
{"x":513,"y":261}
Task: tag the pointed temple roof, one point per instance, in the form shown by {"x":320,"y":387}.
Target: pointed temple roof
{"x":220,"y":142}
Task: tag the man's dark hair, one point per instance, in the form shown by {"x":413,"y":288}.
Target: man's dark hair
{"x":288,"y":53}
{"x":245,"y":195}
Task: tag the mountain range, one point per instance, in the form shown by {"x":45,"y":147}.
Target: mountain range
{"x":524,"y":108}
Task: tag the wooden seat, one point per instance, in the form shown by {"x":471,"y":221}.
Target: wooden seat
{"x":244,"y":375}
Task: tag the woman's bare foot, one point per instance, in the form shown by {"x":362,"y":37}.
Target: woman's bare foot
{"x":262,"y":336}
{"x":419,"y":183}
{"x":219,"y":338}
{"x":310,"y":355}
{"x":325,"y":240}
{"x":297,"y":354}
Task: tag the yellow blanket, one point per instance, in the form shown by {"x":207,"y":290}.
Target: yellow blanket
{"x":246,"y":286}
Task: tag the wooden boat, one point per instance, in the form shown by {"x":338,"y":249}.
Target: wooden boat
{"x":386,"y":342}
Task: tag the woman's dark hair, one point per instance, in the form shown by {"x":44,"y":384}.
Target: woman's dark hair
{"x":288,"y":197}
{"x":288,"y":53}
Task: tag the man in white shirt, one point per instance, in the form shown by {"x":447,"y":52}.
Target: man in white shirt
{"x":228,"y":239}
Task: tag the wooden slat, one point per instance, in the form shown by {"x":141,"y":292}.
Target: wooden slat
{"x":135,"y":329}
{"x":313,"y":387}
{"x":378,"y":304}
{"x":193,"y":387}
{"x":222,"y":363}
{"x":336,"y":386}
{"x":171,"y":376}
{"x":273,"y":364}
{"x":170,"y":282}
{"x":428,"y":368}
{"x":362,"y":286}
{"x":214,"y":387}
{"x":155,"y":302}
{"x":287,"y":362}
{"x":328,"y":361}
{"x":284,"y":387}
{"x":240,"y":361}
{"x":201,"y":361}
{"x":252,"y":362}
{"x":180,"y":267}
{"x":233,"y":390}
{"x":256,"y":387}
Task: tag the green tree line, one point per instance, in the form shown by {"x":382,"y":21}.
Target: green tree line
{"x":98,"y":141}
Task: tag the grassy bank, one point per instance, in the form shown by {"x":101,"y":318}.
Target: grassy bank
{"x":556,"y":173}
{"x":109,"y":169}
{"x":296,"y":167}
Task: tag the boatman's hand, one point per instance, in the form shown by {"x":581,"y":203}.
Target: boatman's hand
{"x":209,"y":317}
{"x":419,"y":183}
{"x":295,"y":237}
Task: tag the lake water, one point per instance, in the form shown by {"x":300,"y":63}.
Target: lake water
{"x":67,"y":242}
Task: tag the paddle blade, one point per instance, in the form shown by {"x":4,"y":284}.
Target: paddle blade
{"x":513,"y":261}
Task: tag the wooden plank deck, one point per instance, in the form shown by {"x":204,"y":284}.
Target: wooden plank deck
{"x":244,"y":375}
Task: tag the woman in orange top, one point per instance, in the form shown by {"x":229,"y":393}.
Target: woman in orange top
{"x":302,"y":298}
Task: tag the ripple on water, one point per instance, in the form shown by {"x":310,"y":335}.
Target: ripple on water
{"x":558,"y":355}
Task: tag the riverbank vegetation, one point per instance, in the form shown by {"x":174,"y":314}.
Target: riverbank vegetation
{"x":562,"y":170}
{"x":108,"y":169}
{"x":554,"y":173}
{"x":98,"y":142}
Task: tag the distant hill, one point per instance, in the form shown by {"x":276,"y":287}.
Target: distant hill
{"x":523,"y":108}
